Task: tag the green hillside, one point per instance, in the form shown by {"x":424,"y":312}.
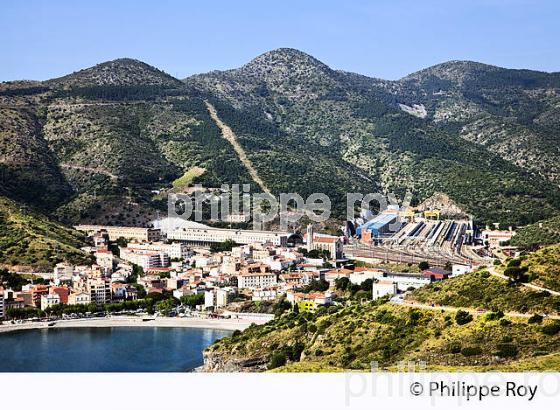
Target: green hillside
{"x":542,"y":267}
{"x":545,"y":232}
{"x":351,"y":338}
{"x":480,"y":290}
{"x":29,"y":240}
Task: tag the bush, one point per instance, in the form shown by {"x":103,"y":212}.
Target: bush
{"x":505,"y":322}
{"x":471,"y":351}
{"x":536,"y":318}
{"x":494,"y":315}
{"x":462,"y":317}
{"x":506,"y":350}
{"x":277,"y":360}
{"x":423,"y":265}
{"x":455,"y":348}
{"x":552,"y":328}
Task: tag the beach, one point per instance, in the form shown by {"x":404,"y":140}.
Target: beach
{"x":133,"y":321}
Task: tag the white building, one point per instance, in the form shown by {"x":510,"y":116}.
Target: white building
{"x":359,"y":276}
{"x":218,"y":297}
{"x":175,"y":250}
{"x":264,"y":294}
{"x":49,"y":300}
{"x":256,"y":280}
{"x":383,"y":288}
{"x":147,"y":259}
{"x":458,"y":269}
{"x":208,"y":236}
{"x":105,"y":259}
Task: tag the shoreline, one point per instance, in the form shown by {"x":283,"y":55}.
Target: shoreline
{"x":132,"y":321}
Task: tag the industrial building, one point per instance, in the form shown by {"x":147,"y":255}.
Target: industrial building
{"x":378,"y":226}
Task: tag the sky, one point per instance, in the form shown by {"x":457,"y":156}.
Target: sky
{"x":381,"y":38}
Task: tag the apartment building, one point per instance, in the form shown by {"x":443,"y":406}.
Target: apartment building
{"x":147,"y":259}
{"x":79,"y":298}
{"x":176,"y":250}
{"x":49,"y":300}
{"x":256,"y":276}
{"x":219,"y":297}
{"x":99,"y":290}
{"x":37,"y":291}
{"x":1,"y":303}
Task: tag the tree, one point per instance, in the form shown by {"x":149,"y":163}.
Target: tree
{"x":277,"y":360}
{"x":224,"y":246}
{"x":122,"y":242}
{"x":366,"y":285}
{"x":342,"y":283}
{"x":462,"y":317}
{"x":424,"y":265}
{"x":536,"y":318}
{"x":280,"y":307}
{"x":317,"y":285}
{"x":515,"y":273}
{"x":165,"y":306}
{"x":193,"y":300}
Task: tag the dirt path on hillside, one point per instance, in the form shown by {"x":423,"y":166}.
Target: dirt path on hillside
{"x":229,"y":135}
{"x":492,"y":271}
{"x":476,"y":312}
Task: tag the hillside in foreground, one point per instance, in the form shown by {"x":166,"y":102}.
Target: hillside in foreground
{"x":351,"y":337}
{"x":542,"y":268}
{"x":480,"y":290}
{"x":31,"y":241}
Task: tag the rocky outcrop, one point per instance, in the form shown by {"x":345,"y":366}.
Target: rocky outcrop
{"x":220,"y":362}
{"x":446,"y":205}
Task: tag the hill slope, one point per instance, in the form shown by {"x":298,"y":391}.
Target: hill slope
{"x":29,"y":240}
{"x":386,"y":334}
{"x":546,"y":232}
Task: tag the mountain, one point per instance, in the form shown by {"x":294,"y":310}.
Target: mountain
{"x":95,"y":145}
{"x":402,"y":134}
{"x":120,"y":72}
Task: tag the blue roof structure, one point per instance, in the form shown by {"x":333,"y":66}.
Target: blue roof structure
{"x":376,"y":224}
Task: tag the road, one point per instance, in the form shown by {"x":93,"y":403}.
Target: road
{"x":492,"y":271}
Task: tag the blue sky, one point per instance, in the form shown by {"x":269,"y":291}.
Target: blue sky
{"x":388,"y":39}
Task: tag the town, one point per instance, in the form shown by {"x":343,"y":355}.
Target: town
{"x":196,"y":270}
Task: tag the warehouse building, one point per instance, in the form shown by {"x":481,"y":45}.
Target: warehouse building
{"x":378,"y":226}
